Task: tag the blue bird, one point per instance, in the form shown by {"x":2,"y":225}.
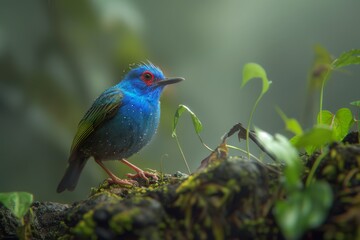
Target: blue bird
{"x":120,"y":122}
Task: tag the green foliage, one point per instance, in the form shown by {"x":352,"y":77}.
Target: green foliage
{"x":17,"y":202}
{"x":282,"y":149}
{"x":291,"y":124}
{"x":309,"y":140}
{"x":356,"y":103}
{"x":253,"y":71}
{"x":195,"y":120}
{"x":314,"y":138}
{"x":197,"y":126}
{"x":306,"y":206}
{"x":303,"y":210}
{"x":340,"y":123}
{"x":347,"y":58}
{"x":330,"y":127}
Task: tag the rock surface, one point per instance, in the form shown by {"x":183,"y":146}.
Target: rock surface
{"x":231,"y":198}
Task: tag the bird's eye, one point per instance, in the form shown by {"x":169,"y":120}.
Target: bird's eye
{"x":147,"y":77}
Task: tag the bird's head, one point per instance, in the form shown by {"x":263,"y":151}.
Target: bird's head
{"x":147,"y":79}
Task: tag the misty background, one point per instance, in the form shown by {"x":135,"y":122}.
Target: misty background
{"x":56,"y":57}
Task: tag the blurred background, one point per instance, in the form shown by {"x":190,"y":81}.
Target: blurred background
{"x":56,"y":57}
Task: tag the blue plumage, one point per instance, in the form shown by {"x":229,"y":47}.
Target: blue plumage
{"x":121,"y":121}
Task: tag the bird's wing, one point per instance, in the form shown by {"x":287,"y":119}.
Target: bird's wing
{"x":104,"y":107}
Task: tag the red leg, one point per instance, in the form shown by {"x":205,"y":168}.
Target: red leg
{"x":115,"y":179}
{"x":139,"y":173}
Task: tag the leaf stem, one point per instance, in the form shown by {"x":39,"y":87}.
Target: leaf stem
{"x":243,"y":151}
{"x":256,"y":159}
{"x":249,"y":123}
{"x":182,"y":153}
{"x":204,"y":144}
{"x":314,"y":167}
{"x":322,"y":93}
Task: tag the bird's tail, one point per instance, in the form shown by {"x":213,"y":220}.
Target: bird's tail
{"x":72,"y":174}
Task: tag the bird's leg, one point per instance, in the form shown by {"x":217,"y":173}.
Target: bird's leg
{"x":113,"y":178}
{"x":139,"y":173}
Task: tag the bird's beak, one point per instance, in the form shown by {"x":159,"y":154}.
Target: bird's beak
{"x":167,"y":81}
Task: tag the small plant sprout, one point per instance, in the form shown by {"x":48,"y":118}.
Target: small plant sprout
{"x":18,"y":203}
{"x":197,"y":127}
{"x":252,"y":71}
{"x":347,"y":58}
{"x":304,"y":207}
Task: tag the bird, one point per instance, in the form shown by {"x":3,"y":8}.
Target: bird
{"x":120,"y":122}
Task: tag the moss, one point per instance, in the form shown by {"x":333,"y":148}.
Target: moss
{"x":329,"y":172}
{"x":142,"y":190}
{"x":85,"y":228}
{"x":230,"y":199}
{"x":123,"y":221}
{"x":218,"y":230}
{"x":65,"y":237}
{"x":217,"y":195}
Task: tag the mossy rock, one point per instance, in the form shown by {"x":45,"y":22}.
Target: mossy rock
{"x":232,"y":198}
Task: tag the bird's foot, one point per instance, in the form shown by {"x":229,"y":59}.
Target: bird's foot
{"x":144,"y":175}
{"x":122,"y":182}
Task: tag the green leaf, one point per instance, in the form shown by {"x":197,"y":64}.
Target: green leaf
{"x":341,"y":122}
{"x":327,"y":118}
{"x":313,"y":139}
{"x":347,"y":58}
{"x":251,"y":71}
{"x":18,"y":202}
{"x":195,"y":120}
{"x":344,"y":120}
{"x":254,"y":70}
{"x":278,"y":145}
{"x":282,"y":149}
{"x":291,"y":124}
{"x":303,"y":210}
{"x":356,"y":103}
